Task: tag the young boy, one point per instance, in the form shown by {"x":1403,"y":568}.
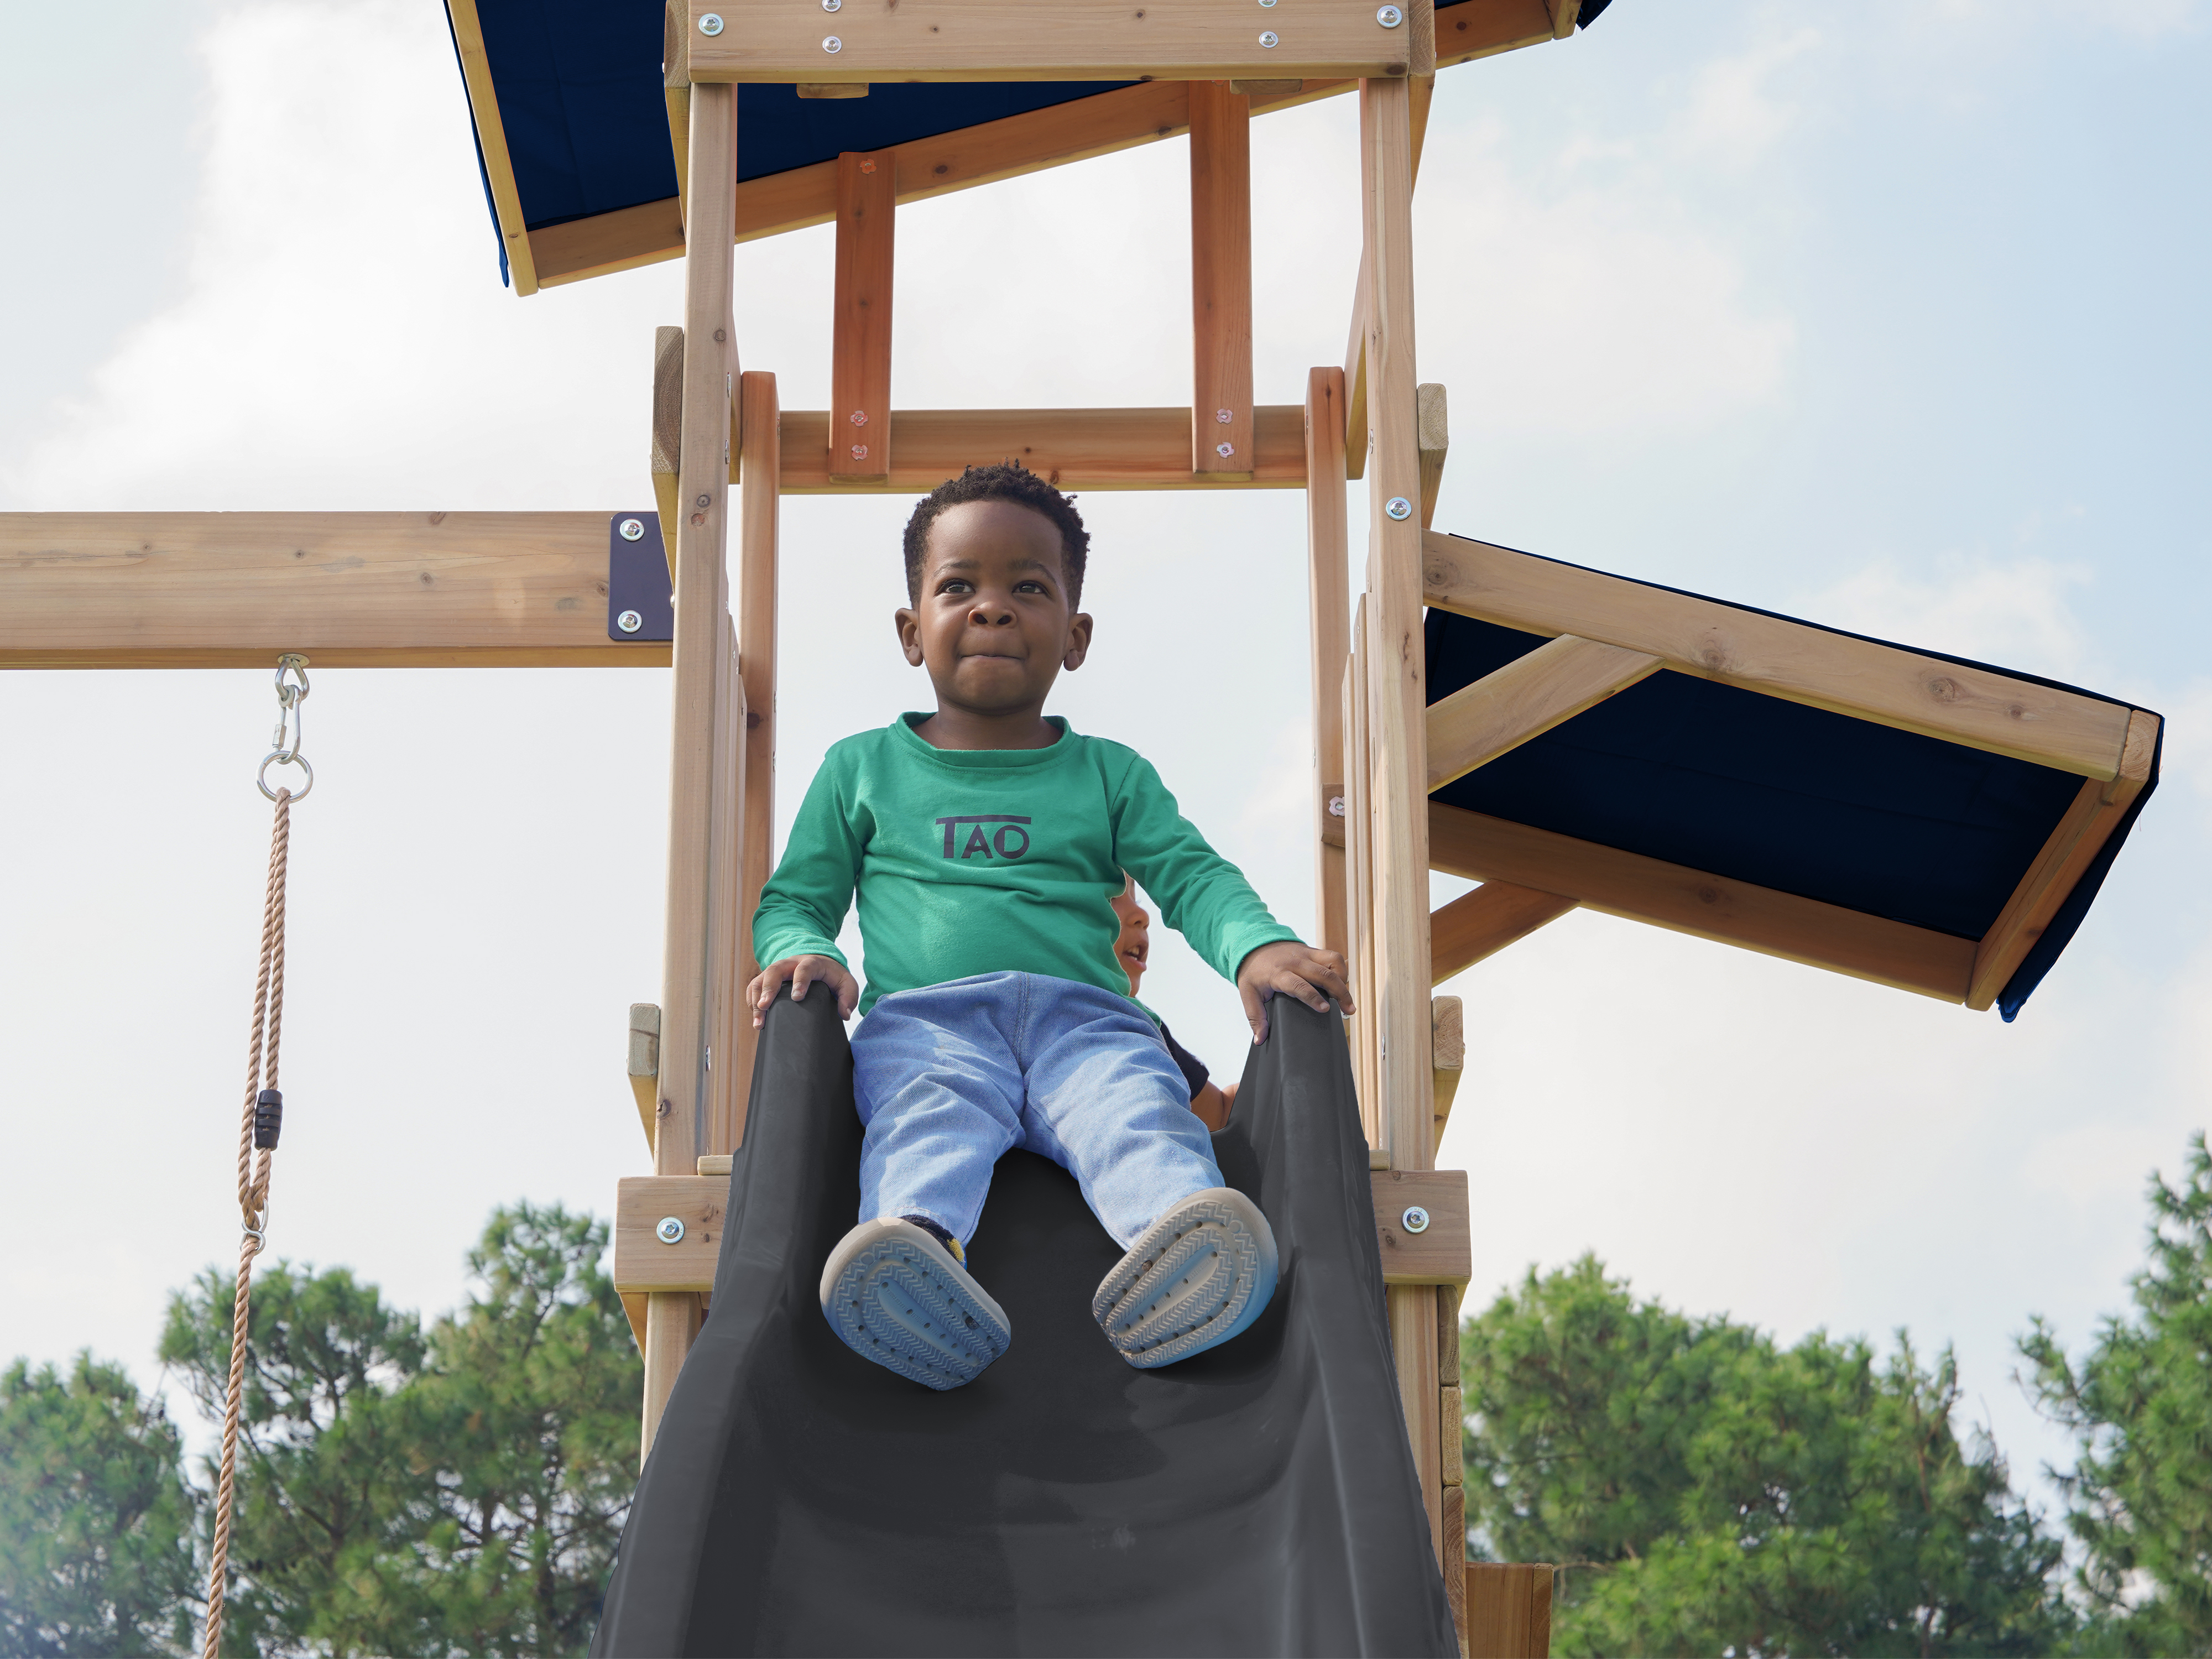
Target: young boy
{"x":987,"y":843}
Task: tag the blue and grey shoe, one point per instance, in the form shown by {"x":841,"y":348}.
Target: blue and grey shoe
{"x":895,"y":1295}
{"x":1196,"y":1277}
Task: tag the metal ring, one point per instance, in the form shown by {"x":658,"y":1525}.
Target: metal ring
{"x":293,"y":759}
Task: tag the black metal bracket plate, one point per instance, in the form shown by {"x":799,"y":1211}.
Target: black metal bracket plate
{"x":637,"y":581}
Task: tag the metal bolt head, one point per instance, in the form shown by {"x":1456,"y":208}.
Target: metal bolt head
{"x":703,"y":501}
{"x":1225,"y":450}
{"x":1389,"y":17}
{"x":631,"y":530}
{"x":1266,"y":3}
{"x":860,"y":417}
{"x":711,"y":23}
{"x":1336,"y":806}
{"x":1222,"y":416}
{"x":860,"y":452}
{"x":670,"y":1230}
{"x":831,"y":43}
{"x":1415,"y":1220}
{"x":831,"y":5}
{"x":1267,"y":38}
{"x":1399,"y":508}
{"x":630,"y":622}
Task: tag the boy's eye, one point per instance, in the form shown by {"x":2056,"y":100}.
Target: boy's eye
{"x":955,"y":585}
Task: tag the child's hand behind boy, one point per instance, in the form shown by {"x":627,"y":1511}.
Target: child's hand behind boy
{"x":1290,"y":969}
{"x":803,"y":971}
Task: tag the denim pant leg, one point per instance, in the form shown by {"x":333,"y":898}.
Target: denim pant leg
{"x":939,"y":1093}
{"x":1106,"y":1103}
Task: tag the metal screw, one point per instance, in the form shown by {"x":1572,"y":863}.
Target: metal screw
{"x":860,"y":417}
{"x":1389,"y":17}
{"x":630,"y":622}
{"x":631,"y":530}
{"x":1415,"y":1220}
{"x":1267,"y":38}
{"x":670,"y":1230}
{"x":711,"y":23}
{"x":831,"y":43}
{"x":701,"y":502}
{"x":1225,"y":450}
{"x":1398,"y":507}
{"x":1266,"y":3}
{"x":1223,"y":416}
{"x":1336,"y":806}
{"x":831,"y":5}
{"x":860,"y":452}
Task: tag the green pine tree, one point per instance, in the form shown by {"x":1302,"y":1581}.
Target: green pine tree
{"x":95,"y":1516}
{"x":2139,"y":1404}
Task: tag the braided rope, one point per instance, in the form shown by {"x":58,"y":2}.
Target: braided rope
{"x":253,"y":1198}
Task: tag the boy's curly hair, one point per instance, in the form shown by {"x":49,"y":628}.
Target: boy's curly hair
{"x":1003,"y":481}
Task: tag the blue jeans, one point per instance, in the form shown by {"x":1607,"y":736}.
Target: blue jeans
{"x":949,"y":1077}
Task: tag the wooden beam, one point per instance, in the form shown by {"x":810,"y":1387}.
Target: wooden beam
{"x":1565,"y":13}
{"x":860,"y":438}
{"x":1509,"y":1610}
{"x":1220,"y":280}
{"x":1482,"y":923}
{"x":1483,"y":848}
{"x":644,"y":1260}
{"x":1525,"y":698}
{"x":1074,"y":448}
{"x":1328,"y":607}
{"x":676,"y":90}
{"x":2065,"y":858}
{"x":1447,"y":1056}
{"x":644,"y":1064}
{"x":667,"y":428}
{"x":1077,"y":41}
{"x":1978,"y":708}
{"x":729,"y":1024}
{"x":626,"y":238}
{"x":351,"y":590}
{"x":1432,"y":428}
{"x":1355,"y":380}
{"x":1356,"y":830}
{"x":1483,"y":28}
{"x":759,"y":529}
{"x":491,"y":142}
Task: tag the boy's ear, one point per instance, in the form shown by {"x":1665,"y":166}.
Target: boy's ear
{"x":909,"y":634}
{"x":1079,"y":640}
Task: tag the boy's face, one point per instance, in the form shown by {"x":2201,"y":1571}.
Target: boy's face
{"x":993,"y":623}
{"x":1135,"y":947}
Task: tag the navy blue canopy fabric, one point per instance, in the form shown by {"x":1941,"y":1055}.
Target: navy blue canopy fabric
{"x":1749,"y":786}
{"x":578,"y":84}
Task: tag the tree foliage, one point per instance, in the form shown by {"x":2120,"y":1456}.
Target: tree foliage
{"x":1716,"y":1492}
{"x":2139,"y":1404}
{"x":95,"y":1516}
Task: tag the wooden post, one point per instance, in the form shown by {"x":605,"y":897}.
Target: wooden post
{"x":860,"y":337}
{"x":1329,"y":606}
{"x":1221,"y":436}
{"x":760,"y":465}
{"x":1453,"y":1452}
{"x":1398,"y":765}
{"x":700,"y":692}
{"x":1359,"y":880}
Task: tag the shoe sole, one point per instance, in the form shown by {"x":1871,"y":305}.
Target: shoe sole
{"x":1198,"y":1276}
{"x":895,"y":1295}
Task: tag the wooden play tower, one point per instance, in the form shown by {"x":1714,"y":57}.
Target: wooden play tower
{"x":509,"y":589}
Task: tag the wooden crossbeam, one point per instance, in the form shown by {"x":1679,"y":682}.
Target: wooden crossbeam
{"x":1220,"y":280}
{"x":859,"y":437}
{"x":1525,"y":698}
{"x":1978,"y":708}
{"x":1483,"y":848}
{"x":1075,"y":40}
{"x":1478,"y":925}
{"x":1075,"y":448}
{"x":2065,"y":858}
{"x":351,"y":590}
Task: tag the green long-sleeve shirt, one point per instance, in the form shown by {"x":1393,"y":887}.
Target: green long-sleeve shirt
{"x":980,"y":861}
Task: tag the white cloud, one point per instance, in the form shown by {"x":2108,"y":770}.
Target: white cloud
{"x":1733,"y":115}
{"x":2017,"y":614}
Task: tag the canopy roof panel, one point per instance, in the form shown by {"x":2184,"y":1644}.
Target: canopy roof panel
{"x":573,"y":128}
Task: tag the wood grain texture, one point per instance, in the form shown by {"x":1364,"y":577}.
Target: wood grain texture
{"x":1480,"y":924}
{"x":351,"y":590}
{"x":1220,"y":280}
{"x":626,"y":238}
{"x":1359,"y":882}
{"x":1077,"y":41}
{"x":1978,"y":708}
{"x":1328,"y":596}
{"x":859,"y":437}
{"x":1448,"y":1046}
{"x":1525,"y":698}
{"x":642,"y":1262}
{"x":1482,"y":29}
{"x":726,"y":1076}
{"x":2064,"y":859}
{"x":643,"y":1064}
{"x":1412,"y":1315}
{"x":1508,"y":1611}
{"x":1073,"y":448}
{"x":671,"y":1325}
{"x":1455,"y":1527}
{"x":698,"y":693}
{"x":759,"y":557}
{"x":1440,"y":1255}
{"x":667,"y":430}
{"x":491,"y":142}
{"x":1482,"y":849}
{"x":1396,"y":665}
{"x":1432,"y":427}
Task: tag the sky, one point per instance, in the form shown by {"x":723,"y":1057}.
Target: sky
{"x":1885,"y":314}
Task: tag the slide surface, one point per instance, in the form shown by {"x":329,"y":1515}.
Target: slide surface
{"x":1259,"y":1498}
